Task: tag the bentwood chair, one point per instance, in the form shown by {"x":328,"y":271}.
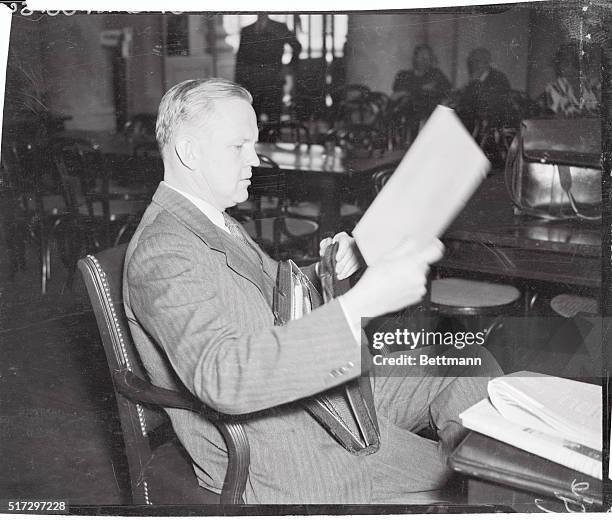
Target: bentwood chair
{"x":287,"y":134}
{"x":265,"y":216}
{"x":160,"y":470}
{"x":99,"y":208}
{"x":36,"y":203}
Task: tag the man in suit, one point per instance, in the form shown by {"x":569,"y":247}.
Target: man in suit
{"x":259,"y":65}
{"x":485,"y":100}
{"x":198,"y":296}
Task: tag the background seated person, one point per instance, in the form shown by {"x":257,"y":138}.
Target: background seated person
{"x":485,"y":101}
{"x":417,"y":92}
{"x":574,"y":93}
{"x":198,"y":296}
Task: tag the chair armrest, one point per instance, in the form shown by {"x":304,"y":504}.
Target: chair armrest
{"x":141,"y":391}
{"x":236,"y":441}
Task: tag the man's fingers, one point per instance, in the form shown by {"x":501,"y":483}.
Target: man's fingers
{"x":346,"y":268}
{"x":323,"y":245}
{"x":343,"y":241}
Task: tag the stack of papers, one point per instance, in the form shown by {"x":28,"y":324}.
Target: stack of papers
{"x":558,"y":419}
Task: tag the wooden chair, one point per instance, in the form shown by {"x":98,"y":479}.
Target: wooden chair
{"x":38,"y":206}
{"x":288,"y":134}
{"x":99,"y":209}
{"x":160,"y":469}
{"x":360,"y":124}
{"x":570,"y":305}
{"x":265,"y":216}
{"x":140,"y":126}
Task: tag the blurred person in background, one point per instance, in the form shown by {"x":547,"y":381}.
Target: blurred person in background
{"x":577,"y":90}
{"x":485,"y":101}
{"x":416,"y":92}
{"x":259,"y":65}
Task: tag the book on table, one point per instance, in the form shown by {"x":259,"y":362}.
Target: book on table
{"x":555,"y":418}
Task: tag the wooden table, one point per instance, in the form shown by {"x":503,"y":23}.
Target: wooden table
{"x":330,"y":171}
{"x":487,"y":237}
{"x":313,"y":169}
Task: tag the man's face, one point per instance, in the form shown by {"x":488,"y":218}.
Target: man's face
{"x":226,"y":153}
{"x":477,"y":66}
{"x":423,"y":60}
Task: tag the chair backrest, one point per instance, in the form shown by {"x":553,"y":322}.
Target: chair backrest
{"x":22,"y":165}
{"x":142,"y":418}
{"x":147,"y":150}
{"x":103,"y":275}
{"x":360,"y":107}
{"x":293,"y":132}
{"x":81,"y":170}
{"x":140,"y":125}
{"x":380,"y":178}
{"x":146,"y":164}
{"x":268,"y":180}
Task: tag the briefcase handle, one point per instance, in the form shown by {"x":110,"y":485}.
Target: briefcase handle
{"x":331,"y":287}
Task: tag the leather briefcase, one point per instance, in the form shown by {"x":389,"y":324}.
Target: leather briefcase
{"x":553,"y":169}
{"x":347,"y":411}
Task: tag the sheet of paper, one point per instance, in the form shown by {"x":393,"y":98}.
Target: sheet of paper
{"x":431,"y":185}
{"x":564,"y":407}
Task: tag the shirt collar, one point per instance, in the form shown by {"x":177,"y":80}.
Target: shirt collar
{"x":215,"y":216}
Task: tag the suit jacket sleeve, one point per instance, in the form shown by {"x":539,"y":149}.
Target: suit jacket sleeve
{"x":174,"y":293}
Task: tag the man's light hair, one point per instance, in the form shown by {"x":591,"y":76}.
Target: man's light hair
{"x":192,"y":99}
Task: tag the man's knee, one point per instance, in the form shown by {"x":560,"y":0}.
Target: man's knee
{"x":485,"y":363}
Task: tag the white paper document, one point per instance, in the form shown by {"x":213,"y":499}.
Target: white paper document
{"x":564,"y":407}
{"x":558,"y":419}
{"x":433,"y":182}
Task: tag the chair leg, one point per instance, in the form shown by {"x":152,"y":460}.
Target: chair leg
{"x":120,"y":234}
{"x":45,"y":275}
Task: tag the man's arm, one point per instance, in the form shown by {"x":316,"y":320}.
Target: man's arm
{"x":242,"y":58}
{"x":296,"y":46}
{"x":176,"y":299}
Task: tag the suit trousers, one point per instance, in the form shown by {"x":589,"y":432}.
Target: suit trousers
{"x":408,"y":468}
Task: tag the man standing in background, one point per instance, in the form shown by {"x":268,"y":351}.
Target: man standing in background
{"x":259,"y":65}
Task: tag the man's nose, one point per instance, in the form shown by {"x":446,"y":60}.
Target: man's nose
{"x":253,"y":158}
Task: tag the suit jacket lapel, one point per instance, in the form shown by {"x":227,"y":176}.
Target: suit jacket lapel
{"x":247,"y":266}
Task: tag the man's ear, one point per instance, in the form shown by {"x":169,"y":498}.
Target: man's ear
{"x":185,"y":151}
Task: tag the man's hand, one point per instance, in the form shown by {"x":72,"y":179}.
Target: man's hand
{"x":348,"y":259}
{"x":397,"y":281}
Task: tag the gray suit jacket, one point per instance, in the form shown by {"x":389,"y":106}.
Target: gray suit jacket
{"x":199,"y":305}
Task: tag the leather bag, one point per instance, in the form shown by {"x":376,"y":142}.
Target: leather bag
{"x":347,"y":411}
{"x":553,"y":169}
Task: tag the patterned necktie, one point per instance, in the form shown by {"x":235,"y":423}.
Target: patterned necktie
{"x":234,"y":230}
